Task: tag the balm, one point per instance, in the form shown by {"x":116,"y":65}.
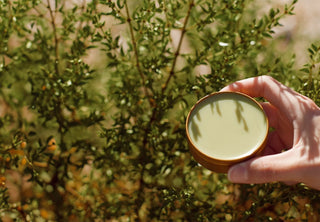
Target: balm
{"x":225,"y":128}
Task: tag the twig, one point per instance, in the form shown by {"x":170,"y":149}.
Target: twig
{"x":83,"y":8}
{"x":56,"y":40}
{"x":177,"y":53}
{"x":135,"y":49}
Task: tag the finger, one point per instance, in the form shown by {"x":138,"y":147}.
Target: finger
{"x":290,"y":183}
{"x":274,"y":145}
{"x":283,"y":127}
{"x":282,"y":97}
{"x":272,"y":168}
{"x":272,"y":114}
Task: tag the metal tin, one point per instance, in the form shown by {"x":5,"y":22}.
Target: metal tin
{"x":217,"y":164}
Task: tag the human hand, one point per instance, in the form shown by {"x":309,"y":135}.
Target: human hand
{"x":292,"y":153}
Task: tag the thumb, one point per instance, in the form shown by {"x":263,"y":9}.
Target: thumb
{"x":265,"y":169}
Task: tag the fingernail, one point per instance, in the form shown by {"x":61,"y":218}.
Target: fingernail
{"x":238,"y":174}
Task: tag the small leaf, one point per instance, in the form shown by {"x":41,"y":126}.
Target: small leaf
{"x":306,"y":70}
{"x":32,"y":133}
{"x":267,"y":35}
{"x":311,"y":51}
{"x":314,"y":47}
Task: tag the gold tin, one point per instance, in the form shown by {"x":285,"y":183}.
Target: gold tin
{"x":226,"y":128}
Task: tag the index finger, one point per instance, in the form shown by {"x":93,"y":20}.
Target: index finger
{"x":281,"y":96}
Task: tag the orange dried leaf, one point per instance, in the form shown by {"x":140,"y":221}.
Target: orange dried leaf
{"x":24,"y":161}
{"x":16,"y":152}
{"x":23,"y":145}
{"x":52,"y":145}
{"x":44,"y":214}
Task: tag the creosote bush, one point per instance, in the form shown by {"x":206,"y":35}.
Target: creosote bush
{"x":93,"y":102}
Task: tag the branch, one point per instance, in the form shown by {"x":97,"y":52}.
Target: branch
{"x":56,"y":40}
{"x":177,"y":53}
{"x":135,"y":49}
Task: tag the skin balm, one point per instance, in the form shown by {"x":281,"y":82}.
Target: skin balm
{"x":225,"y":128}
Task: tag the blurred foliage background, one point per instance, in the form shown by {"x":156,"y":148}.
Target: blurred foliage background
{"x":94,"y":97}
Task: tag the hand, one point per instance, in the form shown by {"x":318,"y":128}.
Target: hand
{"x":292,"y":153}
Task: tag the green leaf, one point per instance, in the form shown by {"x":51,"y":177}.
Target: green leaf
{"x":266,"y":34}
{"x":311,"y":51}
{"x":306,"y":70}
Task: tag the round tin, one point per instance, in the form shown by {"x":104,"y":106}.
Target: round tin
{"x":225,"y":128}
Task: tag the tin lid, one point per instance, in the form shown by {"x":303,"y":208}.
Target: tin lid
{"x":225,"y":128}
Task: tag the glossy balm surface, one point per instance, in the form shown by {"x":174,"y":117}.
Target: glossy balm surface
{"x":227,"y":126}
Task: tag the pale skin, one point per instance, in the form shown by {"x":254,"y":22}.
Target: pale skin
{"x":292,"y":153}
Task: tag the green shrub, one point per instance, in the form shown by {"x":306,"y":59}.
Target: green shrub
{"x":94,"y":99}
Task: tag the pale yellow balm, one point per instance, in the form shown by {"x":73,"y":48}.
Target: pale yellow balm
{"x":225,"y":128}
